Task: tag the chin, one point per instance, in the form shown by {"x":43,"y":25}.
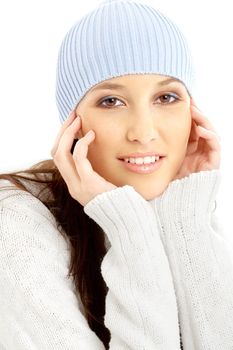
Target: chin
{"x":150,"y":192}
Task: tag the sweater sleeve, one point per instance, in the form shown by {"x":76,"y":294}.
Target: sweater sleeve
{"x":38,"y":305}
{"x":141,"y":310}
{"x":39,"y":308}
{"x":201,"y":260}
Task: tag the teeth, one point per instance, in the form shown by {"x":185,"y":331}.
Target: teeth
{"x":144,"y":160}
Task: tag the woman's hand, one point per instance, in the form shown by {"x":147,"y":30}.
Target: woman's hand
{"x":203,"y":149}
{"x":82,"y":181}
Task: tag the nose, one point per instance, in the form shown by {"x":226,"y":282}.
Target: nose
{"x":142,"y":128}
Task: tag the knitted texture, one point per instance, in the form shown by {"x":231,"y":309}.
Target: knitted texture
{"x":118,"y":38}
{"x":39,"y":309}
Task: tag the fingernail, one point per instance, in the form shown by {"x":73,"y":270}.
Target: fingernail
{"x":194,"y":103}
{"x":71,"y":115}
{"x":77,"y":119}
{"x":90,"y":133}
{"x":197,"y":108}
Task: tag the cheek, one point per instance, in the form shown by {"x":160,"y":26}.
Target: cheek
{"x":105,"y":143}
{"x":106,"y":138}
{"x":103,"y":127}
{"x":184,"y":130}
{"x":178,"y":135}
{"x":184,"y":124}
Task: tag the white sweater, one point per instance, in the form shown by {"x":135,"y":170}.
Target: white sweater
{"x":167,"y":263}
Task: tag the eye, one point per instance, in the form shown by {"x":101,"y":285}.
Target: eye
{"x":109,"y":99}
{"x":168,"y":97}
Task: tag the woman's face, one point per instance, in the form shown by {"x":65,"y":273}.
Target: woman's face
{"x":141,"y":116}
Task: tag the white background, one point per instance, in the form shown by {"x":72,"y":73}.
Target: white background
{"x":30,"y":35}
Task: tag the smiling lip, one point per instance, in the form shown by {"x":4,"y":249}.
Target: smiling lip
{"x":141,"y":155}
{"x":142,"y":168}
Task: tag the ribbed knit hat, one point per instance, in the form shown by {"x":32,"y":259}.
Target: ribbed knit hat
{"x":119,"y":37}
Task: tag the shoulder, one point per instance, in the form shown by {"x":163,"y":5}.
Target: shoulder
{"x":22,"y":201}
{"x":25,"y":220}
{"x":34,"y":265}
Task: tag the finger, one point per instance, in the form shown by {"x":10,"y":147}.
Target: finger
{"x":194,"y":103}
{"x":63,"y":157}
{"x":193,"y":139}
{"x":83,"y":165}
{"x":68,"y":121}
{"x":67,"y":138}
{"x":211,"y":138}
{"x":198,"y":116}
{"x":193,"y":133}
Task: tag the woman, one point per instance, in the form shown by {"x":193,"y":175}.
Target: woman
{"x":112,"y":244}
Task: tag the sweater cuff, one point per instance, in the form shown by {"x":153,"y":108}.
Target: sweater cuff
{"x":123,"y":214}
{"x":191,"y":196}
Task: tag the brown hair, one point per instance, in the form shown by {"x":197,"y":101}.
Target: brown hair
{"x":86,"y":238}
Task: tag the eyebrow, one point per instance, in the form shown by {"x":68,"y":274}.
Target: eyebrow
{"x":115,"y":86}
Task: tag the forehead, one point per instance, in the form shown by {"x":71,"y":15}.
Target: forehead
{"x":121,"y":82}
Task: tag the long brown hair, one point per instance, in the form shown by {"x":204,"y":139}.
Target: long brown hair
{"x":86,"y":238}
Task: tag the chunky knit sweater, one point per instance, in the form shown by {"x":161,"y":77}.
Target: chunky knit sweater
{"x":168,"y":268}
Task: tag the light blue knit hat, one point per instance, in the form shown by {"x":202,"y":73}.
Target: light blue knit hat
{"x":119,"y":37}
